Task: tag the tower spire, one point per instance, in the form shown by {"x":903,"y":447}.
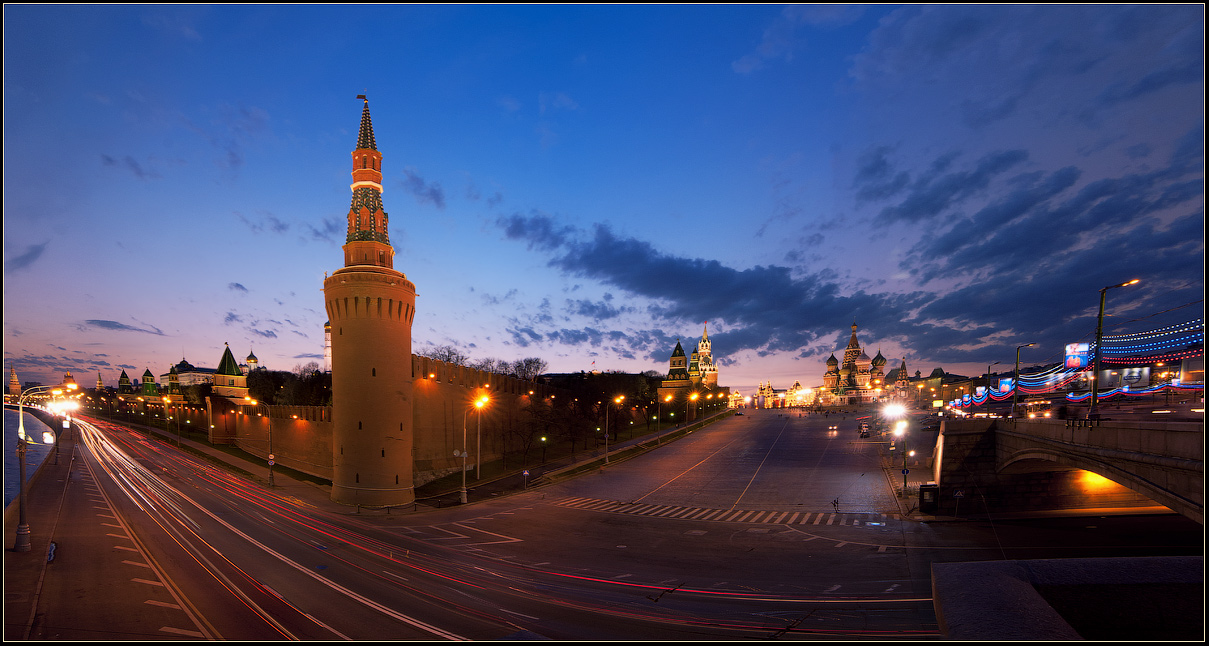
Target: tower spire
{"x":370,"y":307}
{"x":367,"y":242}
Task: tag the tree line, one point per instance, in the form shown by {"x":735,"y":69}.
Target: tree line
{"x":528,"y":369}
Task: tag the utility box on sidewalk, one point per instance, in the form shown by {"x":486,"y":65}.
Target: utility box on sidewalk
{"x":928,"y":495}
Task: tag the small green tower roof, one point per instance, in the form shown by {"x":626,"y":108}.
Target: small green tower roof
{"x":227,"y":365}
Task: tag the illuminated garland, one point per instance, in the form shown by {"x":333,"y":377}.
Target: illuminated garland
{"x":1137,"y":348}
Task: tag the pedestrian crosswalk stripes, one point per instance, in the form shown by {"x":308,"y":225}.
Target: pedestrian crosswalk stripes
{"x":681,"y":512}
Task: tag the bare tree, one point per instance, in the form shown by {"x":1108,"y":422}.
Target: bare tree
{"x":529,"y":368}
{"x":447,"y":353}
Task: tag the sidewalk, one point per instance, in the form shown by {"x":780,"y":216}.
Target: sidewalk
{"x":24,"y":571}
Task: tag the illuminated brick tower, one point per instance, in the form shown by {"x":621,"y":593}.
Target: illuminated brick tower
{"x":370,"y":307}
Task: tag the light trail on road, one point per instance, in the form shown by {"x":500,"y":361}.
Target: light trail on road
{"x":165,"y":506}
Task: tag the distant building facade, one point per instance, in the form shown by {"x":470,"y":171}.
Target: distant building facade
{"x":692,"y":380}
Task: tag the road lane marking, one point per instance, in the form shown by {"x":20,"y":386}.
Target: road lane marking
{"x":162,"y":604}
{"x":181,"y":631}
{"x":148,"y":582}
{"x":136,"y":564}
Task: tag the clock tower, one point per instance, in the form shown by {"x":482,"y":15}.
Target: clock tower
{"x":370,"y":307}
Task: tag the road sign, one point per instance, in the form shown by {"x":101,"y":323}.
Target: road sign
{"x":959,"y":494}
{"x":906,"y":471}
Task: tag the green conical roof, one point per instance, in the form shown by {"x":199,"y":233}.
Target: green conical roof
{"x":227,"y":365}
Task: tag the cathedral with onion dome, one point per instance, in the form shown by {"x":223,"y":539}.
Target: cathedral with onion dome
{"x":857,"y":379}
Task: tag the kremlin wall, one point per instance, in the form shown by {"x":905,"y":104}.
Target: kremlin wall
{"x":442,"y":401}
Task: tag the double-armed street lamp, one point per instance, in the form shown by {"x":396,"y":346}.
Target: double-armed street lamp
{"x":1093,"y":411}
{"x":1016,"y":379}
{"x":48,"y":437}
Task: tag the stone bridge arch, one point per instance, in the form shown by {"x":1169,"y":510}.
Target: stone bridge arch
{"x":1018,"y":465}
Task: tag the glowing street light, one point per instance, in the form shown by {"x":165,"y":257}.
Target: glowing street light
{"x":1093,"y":412}
{"x":616,"y":400}
{"x":894,"y":411}
{"x":23,"y":542}
{"x":668,"y":399}
{"x":1016,"y":379}
{"x":478,"y":451}
{"x":253,"y":402}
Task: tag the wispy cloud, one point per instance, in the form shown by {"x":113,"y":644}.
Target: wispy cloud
{"x":425,"y":192}
{"x":122,"y":327}
{"x":781,"y":39}
{"x":25,"y":259}
{"x":130,"y":164}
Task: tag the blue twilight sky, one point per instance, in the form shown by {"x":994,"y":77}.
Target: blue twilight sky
{"x":591,"y":183}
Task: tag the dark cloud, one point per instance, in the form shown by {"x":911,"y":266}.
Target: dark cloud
{"x":1017,"y":260}
{"x":936,"y":192}
{"x":537,"y":229}
{"x":130,"y":164}
{"x":25,"y":259}
{"x":122,"y":327}
{"x":875,"y":177}
{"x":268,"y":334}
{"x":328,"y":230}
{"x":265,"y":221}
{"x":231,"y":317}
{"x":767,"y":307}
{"x":1185,"y":65}
{"x":423,"y":191}
{"x":236,"y":287}
{"x":597,"y":311}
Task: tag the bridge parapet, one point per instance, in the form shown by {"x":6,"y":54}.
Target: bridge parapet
{"x":1032,"y":463}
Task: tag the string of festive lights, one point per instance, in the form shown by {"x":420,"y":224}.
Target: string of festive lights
{"x":1190,"y":326}
{"x":1171,"y":344}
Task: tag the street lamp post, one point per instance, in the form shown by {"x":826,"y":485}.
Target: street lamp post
{"x":478,"y":451}
{"x":23,"y":540}
{"x":1016,"y":380}
{"x":616,"y":400}
{"x":463,"y":454}
{"x":1093,"y":411}
{"x":667,"y":398}
{"x":989,"y":376}
{"x":900,"y":431}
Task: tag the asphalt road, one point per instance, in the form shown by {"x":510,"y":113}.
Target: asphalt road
{"x":767,"y":525}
